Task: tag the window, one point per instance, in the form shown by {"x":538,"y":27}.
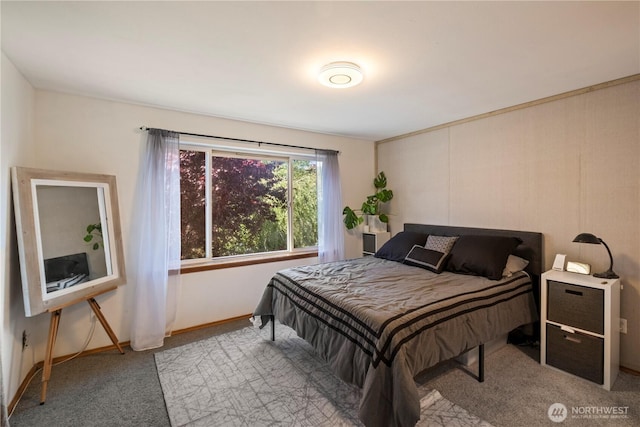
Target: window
{"x":246,"y":203}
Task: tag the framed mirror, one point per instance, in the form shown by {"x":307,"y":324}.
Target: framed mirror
{"x":69,"y":236}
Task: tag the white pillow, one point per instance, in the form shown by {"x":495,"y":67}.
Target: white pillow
{"x":514,"y":264}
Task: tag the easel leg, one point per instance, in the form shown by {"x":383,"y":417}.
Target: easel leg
{"x":48,"y":360}
{"x":96,"y":309}
{"x":53,"y":333}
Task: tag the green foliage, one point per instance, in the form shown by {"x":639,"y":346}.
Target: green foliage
{"x":246,"y":199}
{"x":94,"y":232}
{"x":192,"y":203}
{"x":351,"y":218}
{"x":380,"y":181}
{"x":305,"y":204}
{"x":249,"y":203}
{"x":371,"y":206}
{"x":305,"y":208}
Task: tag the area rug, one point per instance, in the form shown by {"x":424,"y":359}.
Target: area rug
{"x":242,"y":378}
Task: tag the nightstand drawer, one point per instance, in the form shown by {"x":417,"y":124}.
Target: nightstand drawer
{"x":576,"y":306}
{"x":372,"y":241}
{"x":369,"y":243}
{"x":576,"y":353}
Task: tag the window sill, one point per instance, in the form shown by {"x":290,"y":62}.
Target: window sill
{"x":244,"y":261}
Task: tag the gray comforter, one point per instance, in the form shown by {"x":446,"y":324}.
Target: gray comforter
{"x":379,"y":323}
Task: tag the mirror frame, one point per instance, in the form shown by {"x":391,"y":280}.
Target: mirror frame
{"x":27,"y":226}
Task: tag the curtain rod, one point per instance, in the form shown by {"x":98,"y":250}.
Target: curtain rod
{"x":144,"y":128}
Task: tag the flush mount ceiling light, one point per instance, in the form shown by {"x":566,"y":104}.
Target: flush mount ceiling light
{"x":340,"y":75}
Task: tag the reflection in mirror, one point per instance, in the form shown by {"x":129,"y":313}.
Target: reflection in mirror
{"x":71,"y":255}
{"x":68,"y":236}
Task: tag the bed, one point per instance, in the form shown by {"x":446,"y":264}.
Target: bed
{"x":379,"y":321}
{"x":66,"y":271}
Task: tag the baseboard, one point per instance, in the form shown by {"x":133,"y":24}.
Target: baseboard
{"x":630,"y":371}
{"x":23,"y":386}
{"x":38,"y":365}
{"x":210,"y":324}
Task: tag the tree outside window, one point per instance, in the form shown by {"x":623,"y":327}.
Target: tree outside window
{"x":246,"y":199}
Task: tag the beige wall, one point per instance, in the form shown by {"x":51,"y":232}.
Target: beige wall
{"x":560,"y":168}
{"x":17,"y":147}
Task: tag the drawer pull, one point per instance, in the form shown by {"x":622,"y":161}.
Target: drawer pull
{"x":569,"y":291}
{"x":572,"y":339}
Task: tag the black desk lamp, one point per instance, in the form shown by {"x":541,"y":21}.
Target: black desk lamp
{"x":590,"y":238}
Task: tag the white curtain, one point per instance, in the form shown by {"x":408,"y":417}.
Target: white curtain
{"x":156,"y":241}
{"x":330,"y":226}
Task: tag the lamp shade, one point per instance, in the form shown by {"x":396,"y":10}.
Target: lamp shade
{"x":587,"y":238}
{"x":590,"y":238}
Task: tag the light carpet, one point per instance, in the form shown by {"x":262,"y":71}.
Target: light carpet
{"x":243,"y":379}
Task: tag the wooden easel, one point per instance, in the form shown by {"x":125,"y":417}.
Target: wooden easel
{"x":56,"y":312}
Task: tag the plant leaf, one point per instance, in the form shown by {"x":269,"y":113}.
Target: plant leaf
{"x":384,"y":218}
{"x":95,"y":246}
{"x":380,"y":181}
{"x":88,"y":237}
{"x":369,"y":207}
{"x":351,"y":219}
{"x":385,"y":195}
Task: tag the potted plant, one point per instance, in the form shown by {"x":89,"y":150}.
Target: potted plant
{"x":371,"y":207}
{"x":94,"y":231}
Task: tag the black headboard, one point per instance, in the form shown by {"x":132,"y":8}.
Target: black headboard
{"x":65,"y":267}
{"x":531,"y":247}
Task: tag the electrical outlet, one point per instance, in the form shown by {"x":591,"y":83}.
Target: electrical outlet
{"x":623,"y":326}
{"x":24,"y":340}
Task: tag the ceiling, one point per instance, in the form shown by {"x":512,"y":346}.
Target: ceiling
{"x":425,"y":63}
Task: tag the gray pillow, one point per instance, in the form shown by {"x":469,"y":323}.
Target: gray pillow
{"x":440,"y":243}
{"x":426,"y":258}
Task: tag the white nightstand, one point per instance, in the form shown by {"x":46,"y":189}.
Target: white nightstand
{"x":580,"y":325}
{"x":371,"y":241}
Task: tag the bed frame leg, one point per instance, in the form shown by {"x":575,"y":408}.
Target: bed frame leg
{"x":272,"y":318}
{"x":481,"y":363}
